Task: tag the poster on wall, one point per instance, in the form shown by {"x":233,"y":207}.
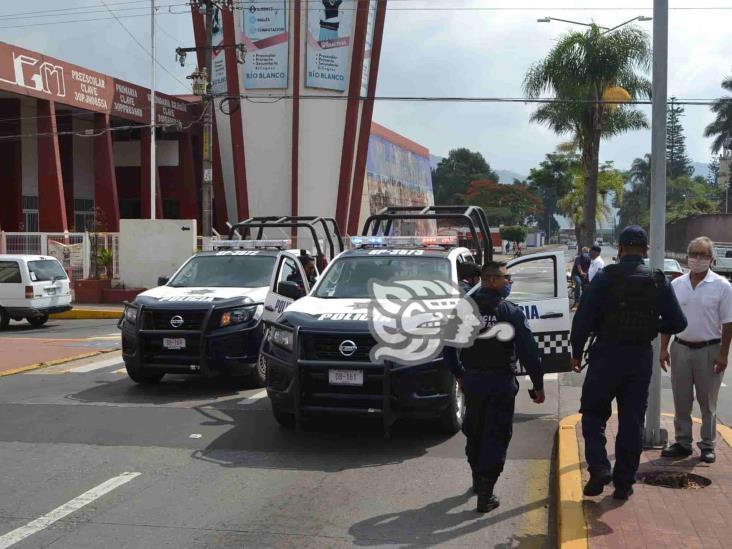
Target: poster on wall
{"x":330,"y":28}
{"x":218,"y":63}
{"x":266,"y":37}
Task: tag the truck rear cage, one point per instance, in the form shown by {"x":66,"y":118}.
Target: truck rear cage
{"x":328,"y":225}
{"x":472,"y":216}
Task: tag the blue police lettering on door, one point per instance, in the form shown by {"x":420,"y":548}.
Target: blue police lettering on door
{"x":530,"y":311}
{"x":280,"y":305}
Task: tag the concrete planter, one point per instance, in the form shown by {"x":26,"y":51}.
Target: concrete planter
{"x":118,"y":295}
{"x":90,"y":291}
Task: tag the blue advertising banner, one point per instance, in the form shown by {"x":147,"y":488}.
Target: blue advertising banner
{"x":266,"y":37}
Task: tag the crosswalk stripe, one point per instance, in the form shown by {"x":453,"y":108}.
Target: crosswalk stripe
{"x":95,"y":365}
{"x":256,"y":397}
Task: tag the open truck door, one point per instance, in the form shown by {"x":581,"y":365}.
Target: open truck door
{"x":288,"y":284}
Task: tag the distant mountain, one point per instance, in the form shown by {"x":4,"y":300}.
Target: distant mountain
{"x":700,"y":169}
{"x":434,"y":160}
{"x":507,"y":176}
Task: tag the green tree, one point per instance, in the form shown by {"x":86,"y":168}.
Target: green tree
{"x":514,"y":233}
{"x":713,"y":173}
{"x":721,"y":128}
{"x":453,"y":175}
{"x":579,"y":70}
{"x":549,"y":182}
{"x":503,"y":204}
{"x":677,"y":163}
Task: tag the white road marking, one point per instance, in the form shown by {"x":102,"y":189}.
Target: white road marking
{"x":95,"y":365}
{"x":195,"y":435}
{"x":120,"y":371}
{"x":41,"y":523}
{"x":256,"y":397}
{"x":547,"y":377}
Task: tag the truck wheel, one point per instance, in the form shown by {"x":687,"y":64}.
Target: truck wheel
{"x":37,"y":321}
{"x":4,"y":319}
{"x":452,"y":417}
{"x":260,"y":372}
{"x":147,"y":378}
{"x":284,"y":419}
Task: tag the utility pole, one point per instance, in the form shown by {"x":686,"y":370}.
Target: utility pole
{"x":153,"y":161}
{"x":208,"y":105}
{"x":654,"y":436}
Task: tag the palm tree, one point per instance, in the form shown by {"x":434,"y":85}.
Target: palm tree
{"x":578,"y":71}
{"x":721,"y":128}
{"x":640,"y":177}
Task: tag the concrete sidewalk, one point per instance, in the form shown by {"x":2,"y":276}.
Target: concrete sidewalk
{"x":21,"y":354}
{"x":654,"y":516}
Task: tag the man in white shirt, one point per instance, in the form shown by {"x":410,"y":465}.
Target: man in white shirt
{"x":699,"y":354}
{"x":597,"y":264}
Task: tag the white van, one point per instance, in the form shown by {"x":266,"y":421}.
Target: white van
{"x":32,"y":287}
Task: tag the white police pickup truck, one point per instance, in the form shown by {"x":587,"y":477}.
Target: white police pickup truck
{"x":207,"y":318}
{"x":318,"y":351}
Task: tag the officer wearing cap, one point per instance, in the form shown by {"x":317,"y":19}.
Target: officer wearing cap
{"x":469,"y":275}
{"x":625,"y":307}
{"x":486,"y":373}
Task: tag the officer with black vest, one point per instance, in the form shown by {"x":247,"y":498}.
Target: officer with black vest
{"x":625,"y":307}
{"x":486,"y":373}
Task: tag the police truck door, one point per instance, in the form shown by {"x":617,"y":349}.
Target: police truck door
{"x":539,"y":288}
{"x":288,"y":269}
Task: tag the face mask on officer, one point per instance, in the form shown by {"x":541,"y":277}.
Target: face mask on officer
{"x":506,"y":291}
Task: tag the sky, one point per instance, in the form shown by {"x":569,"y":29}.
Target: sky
{"x":432,"y":48}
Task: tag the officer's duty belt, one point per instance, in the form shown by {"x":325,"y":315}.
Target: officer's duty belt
{"x":698,"y":344}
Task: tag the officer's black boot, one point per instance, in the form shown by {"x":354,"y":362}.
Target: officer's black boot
{"x":475,"y":482}
{"x":486,"y":500}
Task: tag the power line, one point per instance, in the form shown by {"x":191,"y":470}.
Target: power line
{"x":81,"y":10}
{"x":89,"y":20}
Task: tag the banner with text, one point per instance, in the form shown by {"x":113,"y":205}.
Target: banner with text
{"x":330,"y":28}
{"x":265,"y":35}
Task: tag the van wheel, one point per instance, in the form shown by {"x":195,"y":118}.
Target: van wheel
{"x":4,"y":319}
{"x":37,"y":321}
{"x":452,"y":417}
{"x":147,"y":378}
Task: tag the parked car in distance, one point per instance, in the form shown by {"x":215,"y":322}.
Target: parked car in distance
{"x":671,"y":268}
{"x":572,"y":245}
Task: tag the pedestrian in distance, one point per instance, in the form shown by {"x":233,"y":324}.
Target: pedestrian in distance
{"x":625,"y":307}
{"x":486,"y":373}
{"x":469,"y":275}
{"x":698,"y":356}
{"x":579,"y":272}
{"x":508,"y":247}
{"x":596,"y":262}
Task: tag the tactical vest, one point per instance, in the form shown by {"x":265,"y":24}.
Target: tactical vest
{"x":633,"y":315}
{"x":489,"y":354}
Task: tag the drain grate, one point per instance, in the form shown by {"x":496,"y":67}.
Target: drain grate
{"x":674,"y":479}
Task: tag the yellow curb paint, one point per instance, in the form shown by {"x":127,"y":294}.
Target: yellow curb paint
{"x":572,"y":530}
{"x":88,"y":314}
{"x":722,"y":429}
{"x":56,"y":362}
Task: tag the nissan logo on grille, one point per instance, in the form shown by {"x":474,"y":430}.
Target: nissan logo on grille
{"x":347,"y":348}
{"x":176,"y":321}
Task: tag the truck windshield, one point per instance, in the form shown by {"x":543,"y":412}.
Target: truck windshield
{"x":225,"y":271}
{"x":46,"y":269}
{"x":349,"y":276}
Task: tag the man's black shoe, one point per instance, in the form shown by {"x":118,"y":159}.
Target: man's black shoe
{"x":596,"y":484}
{"x":708,"y":455}
{"x":623,"y":492}
{"x":676,"y":451}
{"x":486,"y":503}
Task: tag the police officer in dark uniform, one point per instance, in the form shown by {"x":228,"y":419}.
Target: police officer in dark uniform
{"x":308,"y":265}
{"x":468,"y":274}
{"x":486,"y":373}
{"x":625,"y":307}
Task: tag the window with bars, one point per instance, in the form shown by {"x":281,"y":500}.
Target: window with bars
{"x":83,"y":214}
{"x":30,"y":214}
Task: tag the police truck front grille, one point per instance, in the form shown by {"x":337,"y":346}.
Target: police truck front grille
{"x":328,"y":347}
{"x":161,"y":320}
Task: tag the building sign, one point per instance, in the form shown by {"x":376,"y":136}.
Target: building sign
{"x":330,"y":28}
{"x":29,"y":73}
{"x":265,"y":35}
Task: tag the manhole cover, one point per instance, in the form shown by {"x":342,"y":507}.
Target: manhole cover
{"x":674,"y":479}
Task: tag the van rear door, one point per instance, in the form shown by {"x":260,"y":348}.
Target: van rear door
{"x":50,"y":283}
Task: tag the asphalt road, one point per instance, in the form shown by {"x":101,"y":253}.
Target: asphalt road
{"x":215,"y":470}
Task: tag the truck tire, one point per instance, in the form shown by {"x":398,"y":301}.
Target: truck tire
{"x":284,"y":419}
{"x":452,"y":418}
{"x":260,"y":372}
{"x":4,"y":319}
{"x":146,"y":378}
{"x":37,"y":321}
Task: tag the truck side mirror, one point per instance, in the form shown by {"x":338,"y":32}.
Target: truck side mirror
{"x":163,"y":280}
{"x":289,"y":289}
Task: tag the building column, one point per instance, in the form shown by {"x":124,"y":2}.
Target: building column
{"x":51,"y":201}
{"x":11,"y":175}
{"x":145,"y":179}
{"x":105,"y":179}
{"x":187,"y":194}
{"x":64,"y":127}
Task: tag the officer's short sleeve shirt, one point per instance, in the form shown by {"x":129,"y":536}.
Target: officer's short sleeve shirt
{"x":706,"y":307}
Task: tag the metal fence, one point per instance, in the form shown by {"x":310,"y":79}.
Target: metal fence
{"x":73,"y":250}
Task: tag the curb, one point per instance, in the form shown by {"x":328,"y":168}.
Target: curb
{"x":572,"y":527}
{"x":88,"y":314}
{"x":56,"y":362}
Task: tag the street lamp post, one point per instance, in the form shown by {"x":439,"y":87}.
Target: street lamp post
{"x":606,"y":29}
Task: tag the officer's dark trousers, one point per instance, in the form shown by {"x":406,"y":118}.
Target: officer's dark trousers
{"x":622,"y":373}
{"x":488,"y":422}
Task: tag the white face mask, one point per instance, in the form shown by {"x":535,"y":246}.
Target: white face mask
{"x":699,"y":265}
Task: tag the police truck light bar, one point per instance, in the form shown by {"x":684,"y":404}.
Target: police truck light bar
{"x":249,"y":244}
{"x":403,"y":241}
